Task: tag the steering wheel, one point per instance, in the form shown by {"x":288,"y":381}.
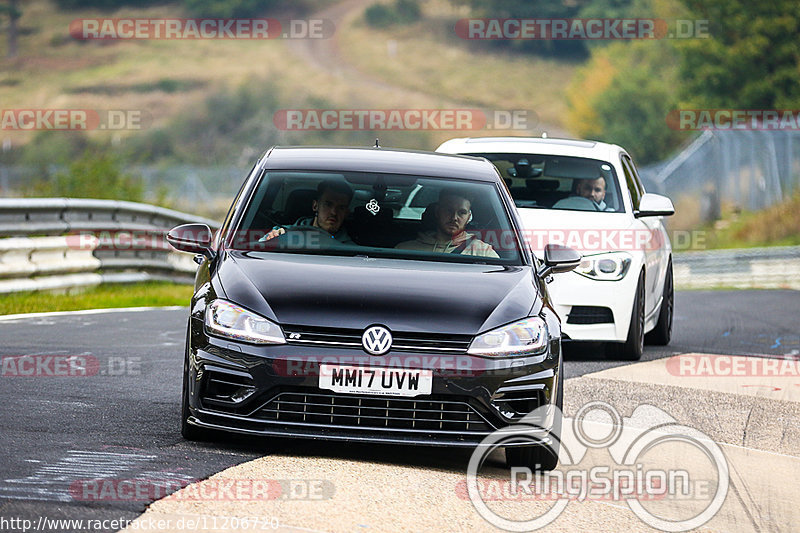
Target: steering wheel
{"x":576,"y":202}
{"x":309,"y":237}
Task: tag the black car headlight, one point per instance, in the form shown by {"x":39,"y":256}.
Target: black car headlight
{"x":225,"y":319}
{"x":524,"y":337}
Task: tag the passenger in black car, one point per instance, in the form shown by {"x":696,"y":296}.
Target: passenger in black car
{"x":452,"y":212}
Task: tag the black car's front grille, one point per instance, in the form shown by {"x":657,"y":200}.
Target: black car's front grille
{"x":362,"y":411}
{"x":589,"y":314}
{"x":401,"y":341}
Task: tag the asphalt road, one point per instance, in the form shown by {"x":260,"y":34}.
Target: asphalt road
{"x":122,"y":422}
{"x":747,"y":322}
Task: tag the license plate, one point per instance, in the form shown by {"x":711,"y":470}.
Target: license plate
{"x":375,"y":380}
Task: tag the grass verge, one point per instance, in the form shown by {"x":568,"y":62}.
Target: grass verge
{"x":147,"y":294}
{"x":777,"y":225}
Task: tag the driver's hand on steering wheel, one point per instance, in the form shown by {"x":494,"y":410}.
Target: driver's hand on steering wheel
{"x":274,"y":232}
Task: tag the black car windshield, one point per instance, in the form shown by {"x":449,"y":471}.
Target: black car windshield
{"x":381,"y":215}
{"x":559,"y":182}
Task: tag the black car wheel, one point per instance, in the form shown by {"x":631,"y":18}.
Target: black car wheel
{"x":542,"y":458}
{"x":188,"y":431}
{"x":633,"y":347}
{"x":662,"y":333}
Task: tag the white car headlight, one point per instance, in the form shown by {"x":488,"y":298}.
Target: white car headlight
{"x":525,"y":337}
{"x":610,"y":266}
{"x":225,"y":319}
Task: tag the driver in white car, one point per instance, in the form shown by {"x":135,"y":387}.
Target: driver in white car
{"x":593,"y":189}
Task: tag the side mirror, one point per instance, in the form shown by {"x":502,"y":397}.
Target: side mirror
{"x":192,"y":238}
{"x":654,"y":205}
{"x":559,"y":259}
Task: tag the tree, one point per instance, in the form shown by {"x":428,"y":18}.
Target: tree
{"x":13,"y":13}
{"x":624,"y":94}
{"x":751,"y":58}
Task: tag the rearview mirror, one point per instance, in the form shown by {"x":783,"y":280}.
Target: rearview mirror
{"x":654,"y":205}
{"x":192,"y":238}
{"x":559,"y":259}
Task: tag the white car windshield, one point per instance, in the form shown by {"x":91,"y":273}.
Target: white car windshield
{"x":559,"y":182}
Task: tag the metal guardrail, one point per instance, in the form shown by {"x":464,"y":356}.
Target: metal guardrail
{"x":749,"y":169}
{"x":769,"y":268}
{"x":60,"y":243}
{"x":55,"y":216}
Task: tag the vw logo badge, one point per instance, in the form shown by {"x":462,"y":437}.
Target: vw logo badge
{"x":376,"y":340}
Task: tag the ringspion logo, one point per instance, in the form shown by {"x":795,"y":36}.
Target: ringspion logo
{"x":646,"y":458}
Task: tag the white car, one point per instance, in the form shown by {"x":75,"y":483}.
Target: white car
{"x":622,"y":293}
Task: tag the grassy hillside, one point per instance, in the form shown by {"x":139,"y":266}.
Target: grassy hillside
{"x":428,"y":56}
{"x":167,"y":79}
{"x":163,"y":78}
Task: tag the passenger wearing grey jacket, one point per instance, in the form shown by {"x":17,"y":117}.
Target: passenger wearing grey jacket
{"x":452,"y":213}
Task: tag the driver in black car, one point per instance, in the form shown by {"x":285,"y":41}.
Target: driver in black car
{"x":331,"y":206}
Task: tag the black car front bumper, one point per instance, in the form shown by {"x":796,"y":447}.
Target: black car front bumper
{"x":274,"y":391}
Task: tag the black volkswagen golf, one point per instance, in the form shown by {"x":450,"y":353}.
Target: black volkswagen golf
{"x":371,"y":295}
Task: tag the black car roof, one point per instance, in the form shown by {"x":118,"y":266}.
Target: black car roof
{"x":394,"y":161}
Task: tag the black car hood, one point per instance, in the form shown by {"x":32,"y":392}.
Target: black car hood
{"x":355,"y":292}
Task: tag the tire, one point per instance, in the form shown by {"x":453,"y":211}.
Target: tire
{"x":633,"y":347}
{"x":542,"y":458}
{"x":662,"y":333}
{"x":188,"y":431}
